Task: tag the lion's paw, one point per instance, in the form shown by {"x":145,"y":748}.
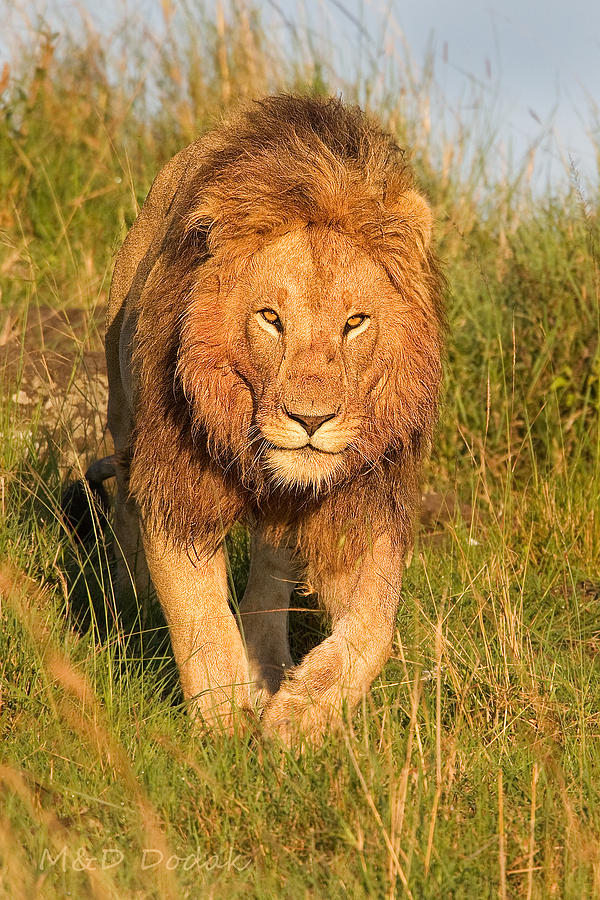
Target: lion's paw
{"x":294,"y":715}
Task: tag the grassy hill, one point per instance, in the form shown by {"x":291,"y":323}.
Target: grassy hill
{"x":473,"y":767}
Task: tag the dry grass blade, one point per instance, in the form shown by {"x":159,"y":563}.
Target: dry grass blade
{"x":79,"y":708}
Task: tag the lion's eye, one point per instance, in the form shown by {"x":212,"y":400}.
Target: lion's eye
{"x":270,"y":316}
{"x":356,"y":322}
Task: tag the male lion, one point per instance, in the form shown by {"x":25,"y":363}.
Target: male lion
{"x":274,"y":344}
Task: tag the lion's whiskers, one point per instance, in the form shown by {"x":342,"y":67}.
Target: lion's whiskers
{"x":252,"y":440}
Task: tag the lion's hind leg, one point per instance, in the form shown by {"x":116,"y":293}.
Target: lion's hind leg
{"x":264,"y":615}
{"x":132,"y":571}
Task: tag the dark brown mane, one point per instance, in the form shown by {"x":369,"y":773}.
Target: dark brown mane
{"x":279,"y":163}
{"x":289,"y":160}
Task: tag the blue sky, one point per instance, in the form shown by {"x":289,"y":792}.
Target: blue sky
{"x":542,"y":57}
{"x":535,"y":62}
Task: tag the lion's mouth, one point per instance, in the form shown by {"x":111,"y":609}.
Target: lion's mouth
{"x":302,"y":467}
{"x":330,"y":439}
{"x":304,"y":452}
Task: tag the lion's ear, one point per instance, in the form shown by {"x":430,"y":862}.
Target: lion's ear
{"x":421,"y":217}
{"x":410,"y":217}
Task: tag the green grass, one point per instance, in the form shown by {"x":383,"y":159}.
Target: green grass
{"x":472,"y":769}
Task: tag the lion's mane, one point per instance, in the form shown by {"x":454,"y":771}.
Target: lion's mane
{"x":279,"y":163}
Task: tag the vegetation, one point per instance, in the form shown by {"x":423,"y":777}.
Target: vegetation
{"x":473,"y":768}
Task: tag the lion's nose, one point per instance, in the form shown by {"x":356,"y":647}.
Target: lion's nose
{"x":310,"y":423}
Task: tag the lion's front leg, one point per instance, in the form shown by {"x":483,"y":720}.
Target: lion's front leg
{"x":206,"y":641}
{"x":339,"y":671}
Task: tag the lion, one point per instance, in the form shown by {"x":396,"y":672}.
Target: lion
{"x":274,"y":347}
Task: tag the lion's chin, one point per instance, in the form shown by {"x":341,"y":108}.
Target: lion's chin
{"x":303,"y":468}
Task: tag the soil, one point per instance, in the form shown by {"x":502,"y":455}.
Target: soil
{"x":52,"y":368}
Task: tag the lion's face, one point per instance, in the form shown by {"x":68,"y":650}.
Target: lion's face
{"x":299,"y":375}
{"x":306,"y":345}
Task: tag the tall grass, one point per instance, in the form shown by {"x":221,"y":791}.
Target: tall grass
{"x":472,"y":769}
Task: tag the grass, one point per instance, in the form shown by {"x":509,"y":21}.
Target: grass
{"x":473,"y":767}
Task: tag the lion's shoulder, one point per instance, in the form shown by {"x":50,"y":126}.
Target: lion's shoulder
{"x":143,"y":239}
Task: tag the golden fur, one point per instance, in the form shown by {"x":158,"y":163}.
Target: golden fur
{"x":274,"y":351}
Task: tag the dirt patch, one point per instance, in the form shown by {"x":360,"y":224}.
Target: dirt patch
{"x":439,"y":510}
{"x":52,"y":368}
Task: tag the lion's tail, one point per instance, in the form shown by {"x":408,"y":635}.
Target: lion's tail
{"x":85,"y":504}
{"x":99,"y":471}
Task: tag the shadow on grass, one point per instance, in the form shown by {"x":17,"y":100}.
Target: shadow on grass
{"x":134,"y":626}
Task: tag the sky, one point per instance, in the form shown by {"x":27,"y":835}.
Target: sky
{"x":536,"y":63}
{"x":542,"y":57}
